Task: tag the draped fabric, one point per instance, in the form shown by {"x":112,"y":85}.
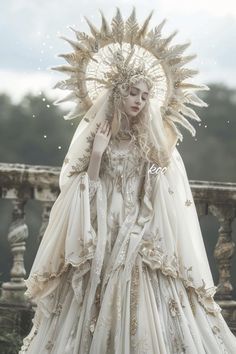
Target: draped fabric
{"x":162,"y":136}
{"x":122,"y":266}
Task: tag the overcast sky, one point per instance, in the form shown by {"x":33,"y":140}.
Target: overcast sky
{"x":30,"y":43}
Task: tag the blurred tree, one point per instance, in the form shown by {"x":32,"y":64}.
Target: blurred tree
{"x":33,"y":132}
{"x":212,"y":156}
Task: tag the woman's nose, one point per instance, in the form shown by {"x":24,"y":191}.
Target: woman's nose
{"x":138,"y":100}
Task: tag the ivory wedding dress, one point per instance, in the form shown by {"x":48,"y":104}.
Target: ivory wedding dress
{"x":124,"y":282}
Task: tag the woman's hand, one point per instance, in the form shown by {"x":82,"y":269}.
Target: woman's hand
{"x":100,"y":143}
{"x":102,"y":138}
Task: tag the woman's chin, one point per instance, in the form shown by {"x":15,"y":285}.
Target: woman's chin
{"x":133,"y":114}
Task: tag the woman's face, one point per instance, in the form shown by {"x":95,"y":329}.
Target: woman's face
{"x":135,"y":102}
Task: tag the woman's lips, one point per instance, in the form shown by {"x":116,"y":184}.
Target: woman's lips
{"x":135,"y":109}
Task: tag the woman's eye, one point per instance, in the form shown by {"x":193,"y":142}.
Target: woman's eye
{"x":133,"y":92}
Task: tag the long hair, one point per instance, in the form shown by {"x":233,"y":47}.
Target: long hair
{"x":140,"y":124}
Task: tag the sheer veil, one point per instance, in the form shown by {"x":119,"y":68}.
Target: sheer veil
{"x":69,"y":224}
{"x":162,"y":136}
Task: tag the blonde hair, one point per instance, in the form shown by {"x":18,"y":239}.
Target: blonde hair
{"x":140,"y":124}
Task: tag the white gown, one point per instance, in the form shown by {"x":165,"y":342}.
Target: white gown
{"x":122,"y":288}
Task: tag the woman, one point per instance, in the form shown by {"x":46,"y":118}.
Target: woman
{"x":118,"y":269}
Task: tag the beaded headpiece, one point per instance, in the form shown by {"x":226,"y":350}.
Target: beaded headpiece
{"x":123,"y":52}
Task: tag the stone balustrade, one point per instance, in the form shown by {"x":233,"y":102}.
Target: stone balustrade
{"x":19,"y":183}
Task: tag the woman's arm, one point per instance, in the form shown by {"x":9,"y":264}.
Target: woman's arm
{"x":100,"y":143}
{"x":94,"y":165}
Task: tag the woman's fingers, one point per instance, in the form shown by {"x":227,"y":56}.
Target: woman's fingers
{"x":102,"y":136}
{"x":101,"y":127}
{"x":109,"y":130}
{"x":104,"y":128}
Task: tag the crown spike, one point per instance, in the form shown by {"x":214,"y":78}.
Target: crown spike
{"x":143,"y":30}
{"x":189,"y":112}
{"x":131,"y":27}
{"x":193,"y":99}
{"x":64,"y":68}
{"x":161,"y":25}
{"x":75,"y":45}
{"x":118,"y":26}
{"x":167,"y":40}
{"x":95,"y":32}
{"x":179,"y":118}
{"x":105,"y":28}
{"x":96,"y":64}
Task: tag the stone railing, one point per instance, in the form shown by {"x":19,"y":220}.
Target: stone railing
{"x":19,"y":183}
{"x":219,"y":199}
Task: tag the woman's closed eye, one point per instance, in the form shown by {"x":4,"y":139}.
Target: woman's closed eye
{"x":134,"y":92}
{"x":144,"y":97}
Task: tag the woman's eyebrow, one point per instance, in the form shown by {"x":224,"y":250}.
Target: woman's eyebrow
{"x":139,"y":89}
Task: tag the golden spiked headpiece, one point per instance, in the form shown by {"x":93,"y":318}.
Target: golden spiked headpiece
{"x":123,"y":52}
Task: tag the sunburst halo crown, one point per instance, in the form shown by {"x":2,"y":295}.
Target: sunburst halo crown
{"x":90,"y":68}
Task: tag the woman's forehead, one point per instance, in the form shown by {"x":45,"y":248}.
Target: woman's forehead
{"x":141,"y":86}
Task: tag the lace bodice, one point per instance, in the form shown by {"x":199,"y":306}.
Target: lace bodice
{"x":126,"y":162}
{"x":123,"y":170}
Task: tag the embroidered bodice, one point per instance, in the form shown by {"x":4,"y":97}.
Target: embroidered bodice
{"x":124,"y":170}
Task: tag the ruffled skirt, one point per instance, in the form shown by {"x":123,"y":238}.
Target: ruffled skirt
{"x":151,"y":313}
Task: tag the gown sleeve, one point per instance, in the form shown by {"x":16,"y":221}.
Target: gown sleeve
{"x":69,"y":239}
{"x":93,"y":186}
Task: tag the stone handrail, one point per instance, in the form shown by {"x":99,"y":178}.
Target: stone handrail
{"x":20,"y":183}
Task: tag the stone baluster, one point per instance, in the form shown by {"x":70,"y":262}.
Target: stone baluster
{"x":13,"y":291}
{"x":224,"y":249}
{"x":201,"y":207}
{"x":45,"y":217}
{"x":223,"y":253}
